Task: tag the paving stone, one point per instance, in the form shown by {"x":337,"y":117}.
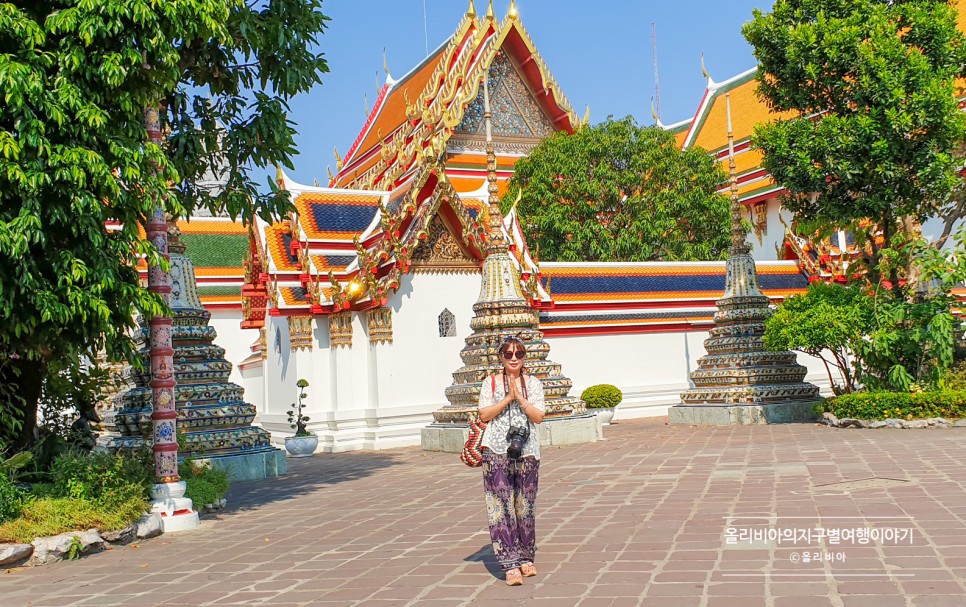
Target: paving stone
{"x":642,"y":513}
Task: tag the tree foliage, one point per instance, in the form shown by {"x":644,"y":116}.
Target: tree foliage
{"x":873,"y":82}
{"x":619,"y":192}
{"x":874,"y":338}
{"x":826,"y":321}
{"x":76,"y":77}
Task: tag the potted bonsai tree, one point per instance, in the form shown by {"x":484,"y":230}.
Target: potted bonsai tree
{"x":602,"y":399}
{"x":303,"y":443}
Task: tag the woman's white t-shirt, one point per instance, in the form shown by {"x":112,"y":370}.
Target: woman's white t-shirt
{"x":494,"y":438}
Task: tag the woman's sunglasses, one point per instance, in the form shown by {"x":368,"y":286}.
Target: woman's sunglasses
{"x":520,"y":355}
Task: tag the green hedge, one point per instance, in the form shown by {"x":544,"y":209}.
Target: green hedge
{"x":883,"y":405}
{"x":100,"y":490}
{"x":602,"y":396}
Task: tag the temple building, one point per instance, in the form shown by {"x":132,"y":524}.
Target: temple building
{"x":773,"y":235}
{"x":368,"y":289}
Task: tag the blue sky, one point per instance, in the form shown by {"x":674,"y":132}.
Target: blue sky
{"x":599,"y":53}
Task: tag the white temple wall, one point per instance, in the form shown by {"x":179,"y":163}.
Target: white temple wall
{"x":418,"y":367}
{"x":650,"y":369}
{"x":236,"y":341}
{"x":408,"y":378}
{"x":773,"y":236}
{"x":372,"y":396}
{"x":253,"y":380}
{"x":379,"y":396}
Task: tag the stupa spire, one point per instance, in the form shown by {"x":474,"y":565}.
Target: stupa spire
{"x":496,"y":243}
{"x":739,"y":381}
{"x":502,"y":310}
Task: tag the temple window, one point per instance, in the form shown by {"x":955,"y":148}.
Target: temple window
{"x":447,"y":324}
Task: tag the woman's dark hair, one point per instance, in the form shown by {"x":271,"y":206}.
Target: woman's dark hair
{"x":512,"y":339}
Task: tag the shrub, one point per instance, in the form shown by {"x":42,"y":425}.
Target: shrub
{"x":602,"y":396}
{"x":11,"y":499}
{"x":103,"y":478}
{"x":883,"y":405}
{"x":101,"y":490}
{"x":956,"y":378}
{"x":205,"y":484}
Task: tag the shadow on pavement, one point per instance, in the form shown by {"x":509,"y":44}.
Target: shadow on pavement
{"x":486,"y":556}
{"x":305,"y":475}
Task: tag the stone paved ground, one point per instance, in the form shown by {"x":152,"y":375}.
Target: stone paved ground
{"x":638,"y":519}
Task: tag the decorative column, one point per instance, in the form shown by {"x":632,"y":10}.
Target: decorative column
{"x":168,"y":494}
{"x":502,"y":310}
{"x":164,"y":415}
{"x":739,"y":381}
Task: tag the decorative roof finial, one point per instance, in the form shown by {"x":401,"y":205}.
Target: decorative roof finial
{"x":657,"y":119}
{"x":704,"y":72}
{"x":338,"y":159}
{"x":586,"y":119}
{"x":489,"y":12}
{"x":471,"y":11}
{"x":738,"y":246}
{"x":513,"y":13}
{"x":279,"y":175}
{"x":517,"y":201}
{"x":385,"y":64}
{"x":496,"y":243}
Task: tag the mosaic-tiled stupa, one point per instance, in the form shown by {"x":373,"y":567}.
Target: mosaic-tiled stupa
{"x":212,"y":414}
{"x":738,"y":369}
{"x":502,"y":310}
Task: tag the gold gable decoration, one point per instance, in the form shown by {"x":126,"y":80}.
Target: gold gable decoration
{"x":340,"y":330}
{"x":262,"y":345}
{"x":380,"y":326}
{"x":300,"y":332}
{"x":441,"y":253}
{"x":760,"y":211}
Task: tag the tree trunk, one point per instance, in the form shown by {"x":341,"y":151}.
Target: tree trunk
{"x":25,"y":378}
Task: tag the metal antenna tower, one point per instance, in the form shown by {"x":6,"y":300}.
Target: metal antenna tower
{"x":657,"y":82}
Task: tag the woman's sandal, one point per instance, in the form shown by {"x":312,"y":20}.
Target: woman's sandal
{"x":528,"y":569}
{"x":514,"y":578}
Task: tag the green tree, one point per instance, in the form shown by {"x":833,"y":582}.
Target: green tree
{"x":825,"y":322}
{"x":873,"y":81}
{"x":619,"y":192}
{"x":76,"y":77}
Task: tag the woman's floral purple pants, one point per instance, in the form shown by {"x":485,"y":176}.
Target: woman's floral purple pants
{"x":510,"y":487}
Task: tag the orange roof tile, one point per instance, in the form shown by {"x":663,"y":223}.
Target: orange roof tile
{"x":277,"y":238}
{"x":392,"y":111}
{"x":747,"y":110}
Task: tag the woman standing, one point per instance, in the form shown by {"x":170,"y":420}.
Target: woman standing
{"x":511,"y":402}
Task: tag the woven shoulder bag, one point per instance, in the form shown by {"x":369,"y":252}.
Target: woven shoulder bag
{"x":472,"y":454}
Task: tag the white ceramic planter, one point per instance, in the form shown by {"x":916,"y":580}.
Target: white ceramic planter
{"x":301,"y":446}
{"x":605,"y":414}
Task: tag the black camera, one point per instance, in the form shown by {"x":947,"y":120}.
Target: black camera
{"x":517,"y":437}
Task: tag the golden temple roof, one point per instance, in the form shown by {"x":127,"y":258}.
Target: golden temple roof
{"x":417,"y":114}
